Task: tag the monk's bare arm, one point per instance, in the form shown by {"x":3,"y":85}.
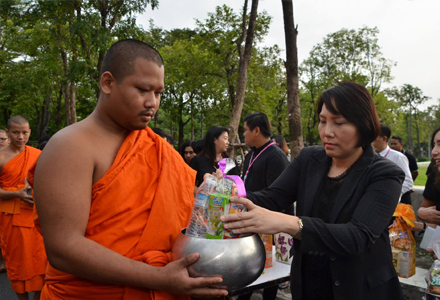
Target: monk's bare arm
{"x":63,"y":188}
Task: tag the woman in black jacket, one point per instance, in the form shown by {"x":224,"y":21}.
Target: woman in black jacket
{"x":345,"y":197}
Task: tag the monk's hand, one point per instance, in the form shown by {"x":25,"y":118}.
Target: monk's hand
{"x":256,"y":219}
{"x":25,"y":194}
{"x":177,"y":273}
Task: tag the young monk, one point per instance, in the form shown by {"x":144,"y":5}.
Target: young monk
{"x":21,"y":244}
{"x":112,"y":196}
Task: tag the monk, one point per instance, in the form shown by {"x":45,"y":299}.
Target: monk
{"x":4,"y":141}
{"x":112,"y":196}
{"x":21,"y":244}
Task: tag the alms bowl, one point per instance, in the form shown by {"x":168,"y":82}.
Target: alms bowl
{"x":238,"y":261}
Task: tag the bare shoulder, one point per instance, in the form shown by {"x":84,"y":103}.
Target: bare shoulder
{"x":69,"y":143}
{"x":69,"y":151}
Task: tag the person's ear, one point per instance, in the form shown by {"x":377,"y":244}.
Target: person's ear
{"x":106,"y":83}
{"x":257,"y":130}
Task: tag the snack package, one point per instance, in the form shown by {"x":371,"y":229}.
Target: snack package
{"x":212,"y":201}
{"x":433,"y":276}
{"x":402,"y":241}
{"x":268,"y":242}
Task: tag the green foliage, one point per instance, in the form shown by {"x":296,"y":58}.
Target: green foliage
{"x":421,"y":178}
{"x":345,"y":55}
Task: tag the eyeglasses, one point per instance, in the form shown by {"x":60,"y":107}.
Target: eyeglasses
{"x":4,"y":139}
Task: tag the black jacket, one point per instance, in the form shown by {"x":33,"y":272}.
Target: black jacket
{"x":356,"y":239}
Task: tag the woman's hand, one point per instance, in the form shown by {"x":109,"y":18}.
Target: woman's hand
{"x":259,"y":220}
{"x":217,"y":174}
{"x":429,"y":214}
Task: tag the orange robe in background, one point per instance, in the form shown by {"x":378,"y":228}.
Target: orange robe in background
{"x":138,"y":208}
{"x":21,"y":243}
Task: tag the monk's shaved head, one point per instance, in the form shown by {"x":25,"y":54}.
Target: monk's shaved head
{"x":20,"y":120}
{"x":2,"y":131}
{"x":120,"y":58}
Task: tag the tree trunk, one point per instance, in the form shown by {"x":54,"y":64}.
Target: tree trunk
{"x":293,"y":106}
{"x":58,"y":109}
{"x":72,"y":103}
{"x":242,"y":75}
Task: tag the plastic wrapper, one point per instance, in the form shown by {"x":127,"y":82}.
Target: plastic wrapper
{"x":212,"y":201}
{"x":403,"y":244}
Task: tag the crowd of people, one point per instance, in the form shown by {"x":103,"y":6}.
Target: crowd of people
{"x":95,"y":214}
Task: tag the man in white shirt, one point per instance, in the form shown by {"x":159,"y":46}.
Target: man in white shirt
{"x":380,"y":145}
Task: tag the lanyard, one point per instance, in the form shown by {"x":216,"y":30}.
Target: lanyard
{"x":251,"y":161}
{"x":387,"y":152}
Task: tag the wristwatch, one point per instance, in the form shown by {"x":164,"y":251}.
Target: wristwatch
{"x":299,"y":233}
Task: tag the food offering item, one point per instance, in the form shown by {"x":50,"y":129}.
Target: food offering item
{"x":218,"y":205}
{"x":402,"y":241}
{"x":433,"y":278}
{"x":199,"y":219}
{"x":233,"y":209}
{"x":268,"y":242}
{"x":212,"y":202}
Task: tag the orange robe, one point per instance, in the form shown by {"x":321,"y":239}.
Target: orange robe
{"x":138,"y":208}
{"x":21,"y":243}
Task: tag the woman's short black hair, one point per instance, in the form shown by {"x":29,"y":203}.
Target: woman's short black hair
{"x":214,"y":132}
{"x":355,"y":103}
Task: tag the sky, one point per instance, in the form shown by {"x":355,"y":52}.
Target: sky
{"x":409,"y":30}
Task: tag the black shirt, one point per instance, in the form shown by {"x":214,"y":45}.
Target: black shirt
{"x":316,"y":268}
{"x":265,"y":169}
{"x":202,"y":165}
{"x":431,"y":192}
{"x":411,"y":161}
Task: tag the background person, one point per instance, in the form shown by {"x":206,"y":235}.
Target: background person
{"x":380,"y":145}
{"x":281,"y":143}
{"x":262,"y":166}
{"x":214,"y":150}
{"x":340,"y":251}
{"x":22,"y":246}
{"x":187,"y":152}
{"x":396,"y":143}
{"x":4,"y":141}
{"x":429,"y":210}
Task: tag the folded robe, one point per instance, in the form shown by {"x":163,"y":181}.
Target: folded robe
{"x":138,"y":208}
{"x":22,"y":245}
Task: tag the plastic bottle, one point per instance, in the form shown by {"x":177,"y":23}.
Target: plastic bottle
{"x":199,"y":219}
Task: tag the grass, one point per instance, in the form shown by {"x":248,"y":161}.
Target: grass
{"x":421,"y":179}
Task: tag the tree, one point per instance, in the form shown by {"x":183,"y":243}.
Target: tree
{"x":293,"y":104}
{"x":352,"y":55}
{"x":409,"y":98}
{"x":245,"y":58}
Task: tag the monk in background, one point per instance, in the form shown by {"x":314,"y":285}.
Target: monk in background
{"x":4,"y":141}
{"x":112,"y":196}
{"x":21,"y":244}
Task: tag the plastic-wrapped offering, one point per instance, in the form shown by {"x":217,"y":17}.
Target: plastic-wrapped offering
{"x":199,"y":219}
{"x":212,"y":201}
{"x":402,"y":241}
{"x":433,"y":276}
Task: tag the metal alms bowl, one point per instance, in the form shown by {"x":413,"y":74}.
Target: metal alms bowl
{"x":238,"y":261}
